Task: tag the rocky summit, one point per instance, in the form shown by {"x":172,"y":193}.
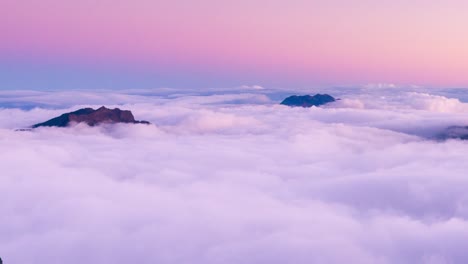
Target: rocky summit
{"x":307,"y":100}
{"x":92,"y":117}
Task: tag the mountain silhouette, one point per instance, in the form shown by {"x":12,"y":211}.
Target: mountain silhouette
{"x":307,"y":100}
{"x":92,"y":118}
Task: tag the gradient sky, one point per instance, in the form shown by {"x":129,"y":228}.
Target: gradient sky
{"x":53,"y":44}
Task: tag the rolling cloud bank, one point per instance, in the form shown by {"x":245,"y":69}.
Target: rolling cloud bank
{"x":234,"y":178}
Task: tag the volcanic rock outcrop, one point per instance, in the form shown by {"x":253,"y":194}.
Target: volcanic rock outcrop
{"x":92,"y":117}
{"x":307,"y":100}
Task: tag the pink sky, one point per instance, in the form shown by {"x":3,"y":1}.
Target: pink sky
{"x":334,"y":42}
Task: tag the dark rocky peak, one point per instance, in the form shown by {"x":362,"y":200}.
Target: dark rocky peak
{"x":92,"y":117}
{"x":307,"y":100}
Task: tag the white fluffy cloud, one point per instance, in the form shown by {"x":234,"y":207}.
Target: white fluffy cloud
{"x":405,"y":101}
{"x":236,"y":179}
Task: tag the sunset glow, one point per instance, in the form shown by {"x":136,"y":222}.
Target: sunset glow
{"x":277,"y":43}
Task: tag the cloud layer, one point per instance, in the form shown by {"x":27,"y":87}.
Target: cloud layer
{"x":236,"y":179}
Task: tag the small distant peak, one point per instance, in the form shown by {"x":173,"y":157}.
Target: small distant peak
{"x":22,"y":130}
{"x":454,"y":132}
{"x":308,"y":100}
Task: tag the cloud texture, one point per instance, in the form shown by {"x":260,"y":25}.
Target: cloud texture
{"x":235,"y":179}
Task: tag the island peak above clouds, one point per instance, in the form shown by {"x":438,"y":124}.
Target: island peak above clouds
{"x":92,"y":117}
{"x":308,"y":100}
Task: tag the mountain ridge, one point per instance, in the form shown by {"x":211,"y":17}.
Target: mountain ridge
{"x":308,"y":100}
{"x":92,"y":117}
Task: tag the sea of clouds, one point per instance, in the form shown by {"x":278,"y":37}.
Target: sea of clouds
{"x":235,"y":178}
